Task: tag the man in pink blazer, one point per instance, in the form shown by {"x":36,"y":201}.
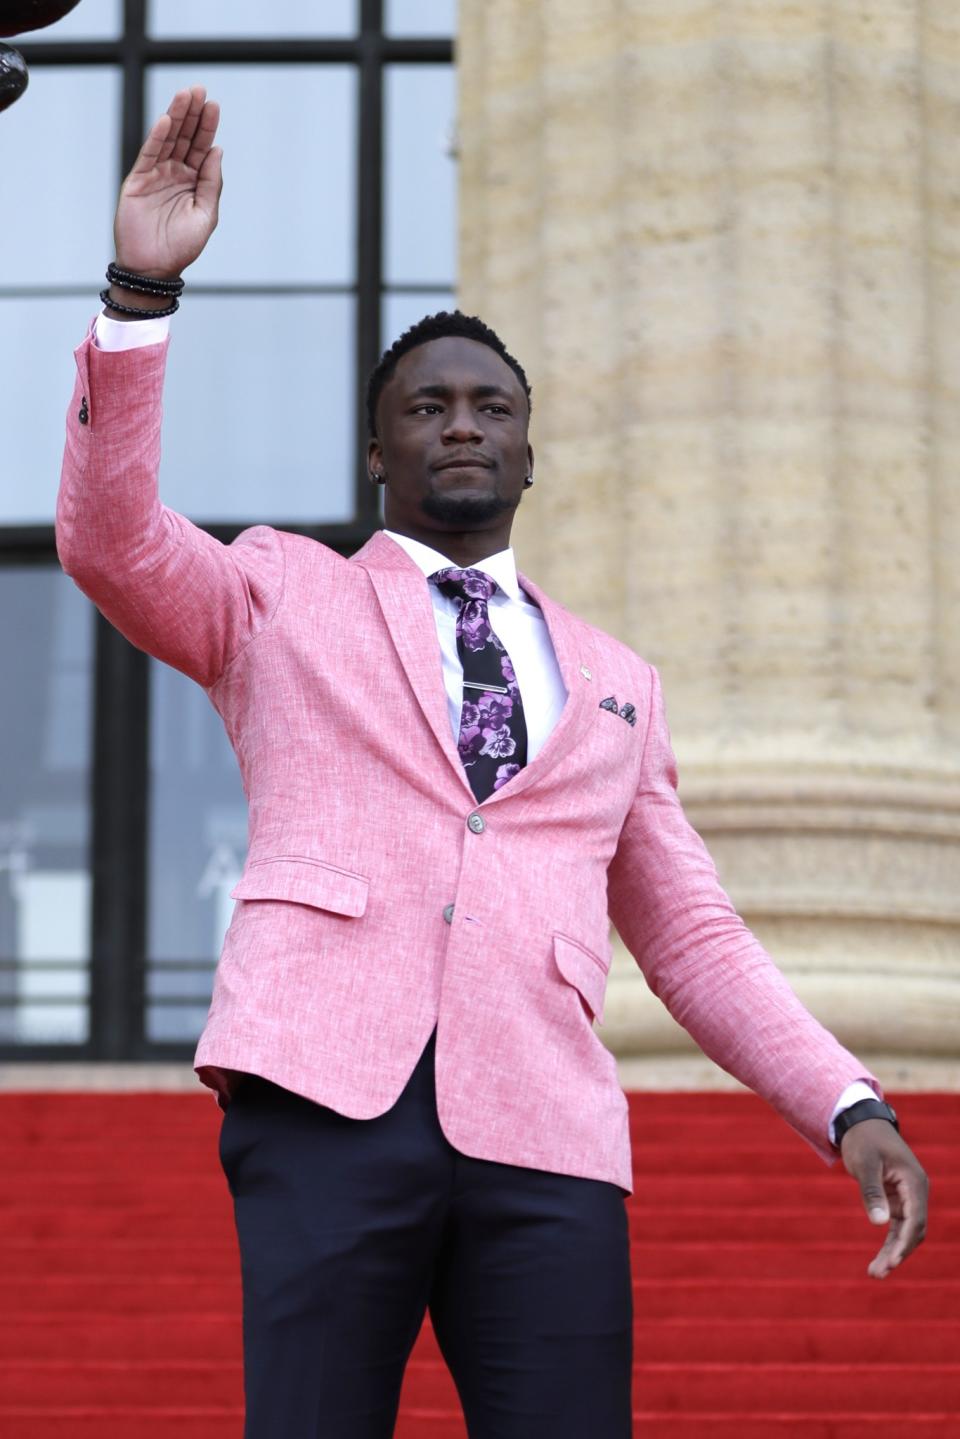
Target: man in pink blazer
{"x":454,"y":784}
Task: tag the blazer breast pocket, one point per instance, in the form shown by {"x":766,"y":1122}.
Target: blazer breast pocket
{"x":300,"y":880}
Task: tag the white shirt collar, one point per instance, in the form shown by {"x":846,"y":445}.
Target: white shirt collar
{"x":501,"y":567}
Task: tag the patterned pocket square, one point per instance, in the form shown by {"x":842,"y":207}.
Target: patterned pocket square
{"x":627,"y":711}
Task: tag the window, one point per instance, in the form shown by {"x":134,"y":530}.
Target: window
{"x":122,"y":819}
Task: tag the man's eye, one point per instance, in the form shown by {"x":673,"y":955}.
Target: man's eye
{"x":420,"y":408}
{"x":499,"y":409}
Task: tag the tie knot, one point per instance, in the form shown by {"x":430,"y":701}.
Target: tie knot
{"x":465,"y":584}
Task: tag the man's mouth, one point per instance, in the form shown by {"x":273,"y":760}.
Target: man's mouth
{"x":464,"y":463}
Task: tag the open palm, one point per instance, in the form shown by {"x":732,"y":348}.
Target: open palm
{"x":169,"y":202}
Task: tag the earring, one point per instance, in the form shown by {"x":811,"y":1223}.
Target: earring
{"x":377,"y":479}
{"x":528,"y":482}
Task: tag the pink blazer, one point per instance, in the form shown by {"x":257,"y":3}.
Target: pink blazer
{"x":378,"y":899}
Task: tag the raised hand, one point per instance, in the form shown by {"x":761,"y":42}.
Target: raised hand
{"x":169,"y":202}
{"x":893,"y":1187}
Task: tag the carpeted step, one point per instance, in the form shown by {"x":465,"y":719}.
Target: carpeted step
{"x":50,"y":1334}
{"x":748,"y":1424}
{"x":799,"y":1388}
{"x":180,"y":1256}
{"x":217,"y":1336}
{"x":134,"y":1422}
{"x":67,"y":1225}
{"x":796,"y":1341}
{"x":811,"y":1262}
{"x":106,"y":1183}
{"x":134,"y":1294}
{"x":777,"y":1299}
{"x":419,"y":1423}
{"x":811,"y":1388}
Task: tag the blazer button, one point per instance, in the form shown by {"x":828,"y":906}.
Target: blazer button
{"x":476,"y":823}
{"x":448,"y":913}
{"x":84,"y":414}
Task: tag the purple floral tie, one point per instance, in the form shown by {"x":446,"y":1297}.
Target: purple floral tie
{"x":493,"y":732}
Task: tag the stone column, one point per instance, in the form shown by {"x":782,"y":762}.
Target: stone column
{"x":724,"y":239}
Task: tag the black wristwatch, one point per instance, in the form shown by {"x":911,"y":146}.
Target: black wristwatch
{"x":863,"y":1109}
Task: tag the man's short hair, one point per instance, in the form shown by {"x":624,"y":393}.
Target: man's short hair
{"x":437,"y":327}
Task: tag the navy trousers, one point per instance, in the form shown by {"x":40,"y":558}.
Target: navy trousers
{"x":351,"y":1229}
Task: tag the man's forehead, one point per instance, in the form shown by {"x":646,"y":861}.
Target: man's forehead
{"x":454,"y":360}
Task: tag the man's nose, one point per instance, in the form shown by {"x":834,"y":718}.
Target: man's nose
{"x":462,"y":425}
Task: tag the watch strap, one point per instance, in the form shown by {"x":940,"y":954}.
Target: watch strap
{"x":857,"y":1113}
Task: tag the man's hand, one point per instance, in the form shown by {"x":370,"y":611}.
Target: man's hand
{"x":893,"y":1186}
{"x":169,"y":202}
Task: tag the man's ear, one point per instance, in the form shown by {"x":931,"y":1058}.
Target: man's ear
{"x":529,"y":459}
{"x":374,"y":457}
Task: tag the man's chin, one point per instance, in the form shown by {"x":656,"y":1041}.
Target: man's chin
{"x":465,"y":511}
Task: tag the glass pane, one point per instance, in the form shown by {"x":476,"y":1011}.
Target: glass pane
{"x":223,"y":18}
{"x":60,"y":233}
{"x":289,"y":161}
{"x":92,"y":20}
{"x":420,"y":175}
{"x":46,"y":660}
{"x":197,"y":845}
{"x":400,"y":309}
{"x":421,"y":17}
{"x":259,"y":409}
{"x":175,"y":1023}
{"x":37,"y":372}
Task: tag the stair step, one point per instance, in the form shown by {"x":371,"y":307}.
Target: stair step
{"x":189,"y":1423}
{"x":185,"y":1256}
{"x":217,"y":1336}
{"x":138,"y":1294}
{"x":423,"y":1423}
{"x":757,"y":1341}
{"x":197,"y":1186}
{"x":58,"y":1224}
{"x":799,"y":1388}
{"x":65,"y":1421}
{"x":746,"y":1424}
{"x":695,"y":1259}
{"x":685,"y":1388}
{"x":898,"y":1297}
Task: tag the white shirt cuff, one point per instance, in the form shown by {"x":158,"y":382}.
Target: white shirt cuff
{"x":129,"y":334}
{"x":851,"y":1095}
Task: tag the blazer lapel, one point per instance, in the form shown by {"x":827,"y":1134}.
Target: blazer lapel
{"x":405,"y":601}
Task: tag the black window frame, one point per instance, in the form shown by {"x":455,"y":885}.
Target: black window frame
{"x":120,"y":774}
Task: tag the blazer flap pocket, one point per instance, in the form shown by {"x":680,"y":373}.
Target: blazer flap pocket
{"x":304,"y":881}
{"x":585,"y":970}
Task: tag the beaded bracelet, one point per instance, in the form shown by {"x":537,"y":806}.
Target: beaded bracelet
{"x":142,"y":284}
{"x":134,"y":310}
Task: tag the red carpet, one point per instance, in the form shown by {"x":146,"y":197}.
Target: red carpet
{"x":120,"y":1300}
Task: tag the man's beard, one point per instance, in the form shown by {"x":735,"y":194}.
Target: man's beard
{"x":467,"y":511}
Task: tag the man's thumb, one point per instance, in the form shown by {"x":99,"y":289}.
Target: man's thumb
{"x":874,"y":1196}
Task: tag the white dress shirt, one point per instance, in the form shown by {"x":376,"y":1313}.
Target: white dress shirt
{"x":514,"y":617}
